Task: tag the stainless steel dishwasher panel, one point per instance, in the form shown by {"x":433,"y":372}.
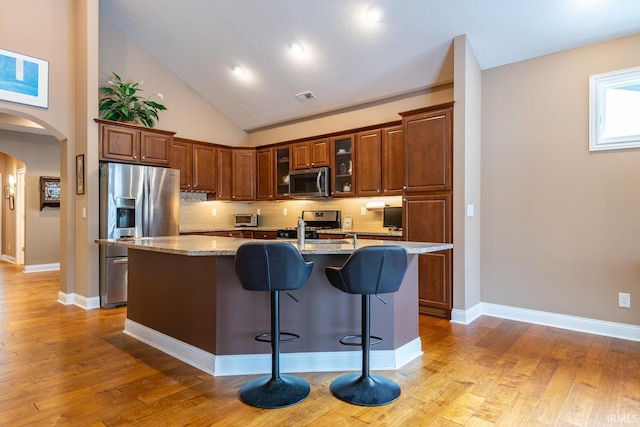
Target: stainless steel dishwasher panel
{"x":113,"y":292}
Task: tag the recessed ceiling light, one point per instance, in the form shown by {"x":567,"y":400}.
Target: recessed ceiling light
{"x":239,"y":71}
{"x":296,"y":48}
{"x":374,"y":14}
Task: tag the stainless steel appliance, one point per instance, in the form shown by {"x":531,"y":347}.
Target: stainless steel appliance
{"x":314,"y":221}
{"x":309,"y":183}
{"x":135,"y":201}
{"x":245,"y":220}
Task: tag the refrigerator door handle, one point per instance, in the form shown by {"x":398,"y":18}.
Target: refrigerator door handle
{"x":121,"y":261}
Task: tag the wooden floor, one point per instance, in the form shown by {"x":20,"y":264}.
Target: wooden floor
{"x":62,"y":365}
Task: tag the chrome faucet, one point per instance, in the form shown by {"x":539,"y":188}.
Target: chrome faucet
{"x":301,"y":227}
{"x":355,"y":239}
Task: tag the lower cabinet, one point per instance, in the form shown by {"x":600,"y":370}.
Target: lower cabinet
{"x":428,"y":218}
{"x":265,"y":235}
{"x":435,"y":283}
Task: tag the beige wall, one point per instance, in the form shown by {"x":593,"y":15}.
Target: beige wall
{"x":50,"y":36}
{"x":41,"y":155}
{"x":560,"y":225}
{"x":467,"y":115}
{"x":188,"y":114}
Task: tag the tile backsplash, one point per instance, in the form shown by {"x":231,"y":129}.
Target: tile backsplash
{"x":198,"y":214}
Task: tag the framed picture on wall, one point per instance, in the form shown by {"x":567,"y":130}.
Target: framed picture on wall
{"x":49,"y":192}
{"x":80,"y":174}
{"x":24,"y":79}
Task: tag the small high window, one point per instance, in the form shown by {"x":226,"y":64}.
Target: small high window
{"x":614,"y":110}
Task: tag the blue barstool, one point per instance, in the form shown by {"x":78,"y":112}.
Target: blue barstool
{"x":369,"y":271}
{"x":273,"y":267}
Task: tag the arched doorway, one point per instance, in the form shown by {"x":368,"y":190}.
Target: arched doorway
{"x":32,"y":235}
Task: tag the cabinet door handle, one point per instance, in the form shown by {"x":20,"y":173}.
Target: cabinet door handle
{"x":404,"y":187}
{"x":135,"y":157}
{"x":143,"y":157}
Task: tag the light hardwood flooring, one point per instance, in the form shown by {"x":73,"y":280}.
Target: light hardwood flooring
{"x":62,"y":365}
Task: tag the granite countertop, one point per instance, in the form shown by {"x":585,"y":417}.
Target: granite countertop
{"x":368,"y":232}
{"x":195,"y":245}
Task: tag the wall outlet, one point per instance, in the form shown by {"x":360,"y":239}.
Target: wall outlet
{"x":624,"y":300}
{"x":348,"y":223}
{"x":214,"y":212}
{"x":363,"y":211}
{"x":258,"y":211}
{"x":284,"y":211}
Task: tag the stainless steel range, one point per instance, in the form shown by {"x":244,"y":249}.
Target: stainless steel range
{"x":314,"y":220}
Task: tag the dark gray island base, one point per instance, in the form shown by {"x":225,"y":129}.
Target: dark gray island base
{"x":185,"y":299}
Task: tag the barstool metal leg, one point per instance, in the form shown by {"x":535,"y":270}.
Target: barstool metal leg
{"x":276,"y":391}
{"x":365,"y":389}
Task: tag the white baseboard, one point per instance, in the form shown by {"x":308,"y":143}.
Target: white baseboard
{"x":252,"y":364}
{"x":563,"y":321}
{"x":41,"y":267}
{"x":79,"y":300}
{"x":8,"y":258}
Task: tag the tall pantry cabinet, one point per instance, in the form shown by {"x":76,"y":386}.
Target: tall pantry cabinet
{"x":427,"y":201}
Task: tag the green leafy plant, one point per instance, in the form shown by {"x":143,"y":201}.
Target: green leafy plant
{"x":121,"y":103}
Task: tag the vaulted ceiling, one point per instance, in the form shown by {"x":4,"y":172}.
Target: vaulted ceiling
{"x":348,"y":59}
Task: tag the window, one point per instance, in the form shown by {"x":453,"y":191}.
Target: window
{"x":614,"y":110}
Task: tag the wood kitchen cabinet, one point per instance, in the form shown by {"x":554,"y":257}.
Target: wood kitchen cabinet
{"x":342,"y":159}
{"x":197,"y":163}
{"x":380,"y":162}
{"x":283,"y":166}
{"x":223,"y":174}
{"x":265,"y":178}
{"x":265,"y":235}
{"x":428,"y":150}
{"x":236,"y":174}
{"x":392,"y":160}
{"x":428,"y":218}
{"x":128,"y":143}
{"x":310,"y":154}
{"x":369,"y":163}
{"x":243,"y":170}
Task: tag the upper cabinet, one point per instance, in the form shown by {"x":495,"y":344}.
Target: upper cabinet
{"x":428,"y":141}
{"x":243,"y":170}
{"x":342,"y":159}
{"x":392,"y":160}
{"x":127,"y":143}
{"x":369,"y":163}
{"x":310,"y":154}
{"x":283,"y":166}
{"x":197,"y":164}
{"x":380,"y":162}
{"x":223,"y":174}
{"x":265,"y":175}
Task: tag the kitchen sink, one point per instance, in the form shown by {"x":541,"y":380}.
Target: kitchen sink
{"x":328,"y":242}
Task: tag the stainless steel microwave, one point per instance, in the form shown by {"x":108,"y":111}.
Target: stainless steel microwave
{"x":311,"y":183}
{"x":245,"y":220}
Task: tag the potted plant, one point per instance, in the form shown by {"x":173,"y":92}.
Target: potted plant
{"x":121,"y":103}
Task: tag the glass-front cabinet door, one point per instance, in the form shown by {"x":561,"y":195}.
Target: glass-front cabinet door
{"x":283,"y":165}
{"x":342,"y":164}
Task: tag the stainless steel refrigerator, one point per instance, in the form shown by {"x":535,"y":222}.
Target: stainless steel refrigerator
{"x":135,"y":201}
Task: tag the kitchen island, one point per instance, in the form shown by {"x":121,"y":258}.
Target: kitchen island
{"x":185,"y":299}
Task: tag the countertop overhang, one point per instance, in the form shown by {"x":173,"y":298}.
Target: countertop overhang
{"x":195,"y":245}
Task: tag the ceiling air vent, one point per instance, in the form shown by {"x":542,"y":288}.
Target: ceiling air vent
{"x":304,"y":96}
